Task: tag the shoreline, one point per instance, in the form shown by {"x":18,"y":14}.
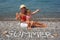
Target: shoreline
{"x":35,"y":19}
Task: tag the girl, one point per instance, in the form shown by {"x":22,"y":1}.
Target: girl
{"x":34,"y":23}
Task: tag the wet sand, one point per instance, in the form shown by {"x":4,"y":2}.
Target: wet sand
{"x":53,"y":27}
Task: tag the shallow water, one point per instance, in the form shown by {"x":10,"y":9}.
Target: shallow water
{"x":49,"y":8}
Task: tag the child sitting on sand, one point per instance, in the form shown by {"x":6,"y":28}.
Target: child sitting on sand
{"x":34,"y":23}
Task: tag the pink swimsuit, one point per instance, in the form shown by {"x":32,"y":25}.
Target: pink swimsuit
{"x":28,"y":16}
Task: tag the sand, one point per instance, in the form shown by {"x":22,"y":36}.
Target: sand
{"x":14,"y":26}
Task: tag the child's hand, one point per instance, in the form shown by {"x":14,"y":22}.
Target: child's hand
{"x":16,"y":14}
{"x":37,"y":10}
{"x":29,"y":28}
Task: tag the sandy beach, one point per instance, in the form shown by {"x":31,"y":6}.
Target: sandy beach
{"x":48,"y":12}
{"x":14,"y":26}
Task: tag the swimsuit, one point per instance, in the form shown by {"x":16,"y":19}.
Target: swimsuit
{"x":28,"y":16}
{"x":24,"y":24}
{"x":24,"y":17}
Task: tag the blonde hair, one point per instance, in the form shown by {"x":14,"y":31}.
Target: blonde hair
{"x":28,"y":11}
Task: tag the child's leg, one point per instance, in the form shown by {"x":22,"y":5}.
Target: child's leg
{"x":29,"y":24}
{"x":38,"y":24}
{"x":42,"y":25}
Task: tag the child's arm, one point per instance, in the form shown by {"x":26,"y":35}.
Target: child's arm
{"x":35,"y":11}
{"x":17,"y":16}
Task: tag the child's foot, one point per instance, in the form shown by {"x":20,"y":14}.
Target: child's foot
{"x":44,"y":25}
{"x":29,"y":28}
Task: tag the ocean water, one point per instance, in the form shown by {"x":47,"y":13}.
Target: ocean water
{"x":48,"y":8}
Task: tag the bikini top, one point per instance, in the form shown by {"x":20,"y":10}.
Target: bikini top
{"x":25,"y":16}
